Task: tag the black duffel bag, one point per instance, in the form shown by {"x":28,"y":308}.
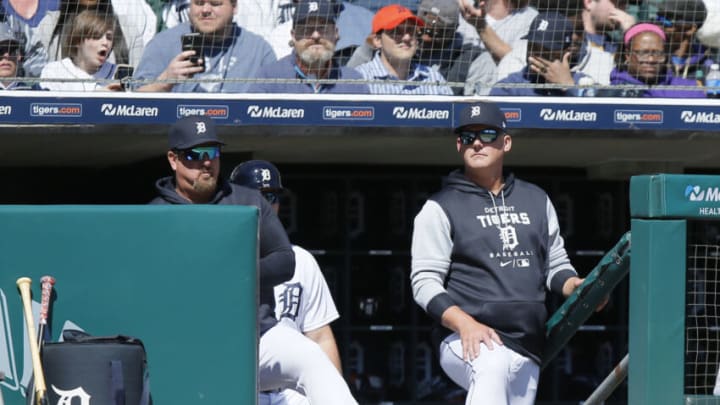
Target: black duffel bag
{"x":109,"y":370}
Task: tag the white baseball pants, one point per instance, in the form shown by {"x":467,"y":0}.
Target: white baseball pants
{"x":288,"y":359}
{"x":496,"y":377}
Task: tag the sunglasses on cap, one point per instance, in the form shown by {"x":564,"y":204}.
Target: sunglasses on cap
{"x":486,"y":135}
{"x":200,"y":153}
{"x":271,"y":196}
{"x":664,"y":21}
{"x":669,"y":22}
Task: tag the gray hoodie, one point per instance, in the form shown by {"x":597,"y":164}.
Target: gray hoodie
{"x":492,"y":255}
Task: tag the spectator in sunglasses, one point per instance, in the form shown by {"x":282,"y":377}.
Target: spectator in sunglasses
{"x":11,"y":59}
{"x":306,"y":298}
{"x":194,"y":156}
{"x":681,"y":19}
{"x":314,"y":36}
{"x":550,"y":51}
{"x":395,"y":37}
{"x":485,"y":249}
{"x":594,"y":50}
{"x":645,"y":64}
{"x":448,"y":44}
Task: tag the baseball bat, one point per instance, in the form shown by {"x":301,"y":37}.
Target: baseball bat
{"x":47,"y":283}
{"x":23,"y":284}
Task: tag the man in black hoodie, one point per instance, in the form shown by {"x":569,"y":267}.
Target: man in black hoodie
{"x":283,"y":353}
{"x":484,"y":249}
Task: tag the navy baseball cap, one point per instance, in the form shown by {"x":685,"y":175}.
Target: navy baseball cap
{"x":689,"y":11}
{"x":327,"y":9}
{"x":481,"y":113}
{"x":189,"y":132}
{"x":552,"y":30}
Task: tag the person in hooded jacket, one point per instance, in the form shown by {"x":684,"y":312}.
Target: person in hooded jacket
{"x":194,"y":156}
{"x":484,"y":250}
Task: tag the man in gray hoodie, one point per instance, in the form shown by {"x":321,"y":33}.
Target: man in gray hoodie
{"x":484,"y":249}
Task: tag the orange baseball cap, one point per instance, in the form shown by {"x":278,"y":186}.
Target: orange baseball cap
{"x":391,"y":16}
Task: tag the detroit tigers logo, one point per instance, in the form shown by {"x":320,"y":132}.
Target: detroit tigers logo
{"x":289,"y":300}
{"x":474,"y":111}
{"x":543,"y":26}
{"x":66,"y":397}
{"x":200,"y":128}
{"x":265,"y":175}
{"x":312,"y":7}
{"x":508,"y":236}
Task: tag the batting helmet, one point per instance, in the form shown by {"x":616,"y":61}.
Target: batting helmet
{"x":258,"y":174}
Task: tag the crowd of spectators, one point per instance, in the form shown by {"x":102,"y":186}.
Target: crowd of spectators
{"x":439,"y":47}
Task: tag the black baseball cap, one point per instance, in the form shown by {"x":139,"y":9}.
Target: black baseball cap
{"x":481,"y":113}
{"x":327,"y":9}
{"x":690,"y":11}
{"x":189,"y":132}
{"x":552,"y":30}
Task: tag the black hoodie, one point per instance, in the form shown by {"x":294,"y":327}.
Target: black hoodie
{"x":491,"y":255}
{"x":277,"y":260}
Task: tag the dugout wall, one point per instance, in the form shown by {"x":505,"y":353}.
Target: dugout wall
{"x":180,"y":278}
{"x":673,"y":325}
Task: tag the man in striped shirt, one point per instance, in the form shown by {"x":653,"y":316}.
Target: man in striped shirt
{"x":395,"y":32}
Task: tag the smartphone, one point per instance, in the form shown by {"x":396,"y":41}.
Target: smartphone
{"x":122,"y":71}
{"x":193,"y":41}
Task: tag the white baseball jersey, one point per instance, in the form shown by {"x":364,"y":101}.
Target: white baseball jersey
{"x":306,"y":300}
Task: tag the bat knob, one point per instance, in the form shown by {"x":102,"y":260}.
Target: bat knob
{"x":48,"y":279}
{"x":23,"y":281}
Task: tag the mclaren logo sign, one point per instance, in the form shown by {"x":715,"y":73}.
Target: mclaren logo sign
{"x":403,"y":113}
{"x":128,"y":110}
{"x":255,"y":111}
{"x":549,"y":114}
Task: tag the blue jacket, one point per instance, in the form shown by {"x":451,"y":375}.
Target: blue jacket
{"x":625,"y":78}
{"x":286,"y":68}
{"x":523,"y":76}
{"x":241,"y":56}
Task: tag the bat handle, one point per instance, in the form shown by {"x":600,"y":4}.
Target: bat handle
{"x":23,"y":284}
{"x":47,"y":283}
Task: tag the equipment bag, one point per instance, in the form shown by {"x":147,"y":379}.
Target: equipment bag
{"x":109,"y":370}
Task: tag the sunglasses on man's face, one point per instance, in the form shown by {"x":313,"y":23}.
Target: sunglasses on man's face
{"x":306,"y":31}
{"x":486,"y":135}
{"x":200,"y":153}
{"x":12,"y":51}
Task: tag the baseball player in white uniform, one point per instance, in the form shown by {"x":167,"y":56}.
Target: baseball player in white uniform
{"x":304,"y":301}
